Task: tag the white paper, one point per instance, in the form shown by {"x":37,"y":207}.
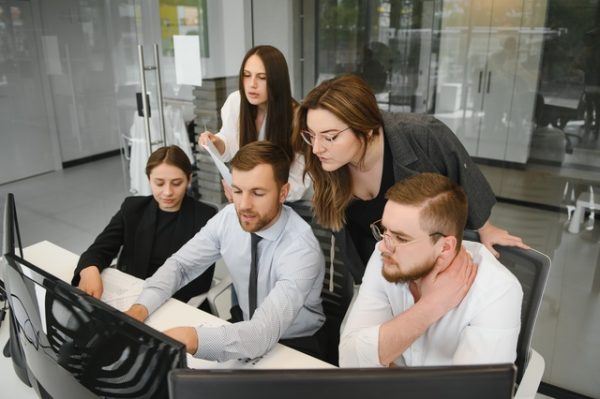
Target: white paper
{"x":120,"y":289}
{"x":188,"y":66}
{"x":214,"y":154}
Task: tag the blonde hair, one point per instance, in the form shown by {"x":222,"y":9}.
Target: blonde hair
{"x":350,"y":99}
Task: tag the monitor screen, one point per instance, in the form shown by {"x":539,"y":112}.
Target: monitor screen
{"x":76,"y":346}
{"x":448,"y":382}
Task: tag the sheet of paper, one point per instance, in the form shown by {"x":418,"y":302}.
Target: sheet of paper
{"x":188,"y":62}
{"x":214,"y":154}
{"x":120,"y":289}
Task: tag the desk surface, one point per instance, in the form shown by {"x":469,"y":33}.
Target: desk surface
{"x":61,"y":263}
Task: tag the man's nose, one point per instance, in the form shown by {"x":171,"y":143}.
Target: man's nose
{"x":246,"y":201}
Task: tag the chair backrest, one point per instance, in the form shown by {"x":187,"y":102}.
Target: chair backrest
{"x":337,"y":300}
{"x":531,"y":268}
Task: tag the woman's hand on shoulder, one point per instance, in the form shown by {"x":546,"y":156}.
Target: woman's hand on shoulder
{"x":207,"y":136}
{"x":90,"y":281}
{"x":491,"y":235}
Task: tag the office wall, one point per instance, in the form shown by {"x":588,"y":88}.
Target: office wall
{"x":273,"y":24}
{"x":28,"y":142}
{"x":228,"y":37}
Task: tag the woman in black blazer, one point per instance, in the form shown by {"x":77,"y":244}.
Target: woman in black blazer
{"x":149,"y":229}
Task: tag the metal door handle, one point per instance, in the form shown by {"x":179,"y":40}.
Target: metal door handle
{"x":479,"y":84}
{"x":489,"y":82}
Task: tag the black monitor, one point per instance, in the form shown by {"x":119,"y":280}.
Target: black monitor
{"x":448,"y":382}
{"x":76,"y":346}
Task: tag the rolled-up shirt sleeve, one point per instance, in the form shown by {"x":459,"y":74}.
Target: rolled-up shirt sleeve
{"x":359,"y":342}
{"x":491,"y":336}
{"x":300,"y":264}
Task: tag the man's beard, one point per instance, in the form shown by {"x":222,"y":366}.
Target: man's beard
{"x":258,"y":224}
{"x":394,"y":273}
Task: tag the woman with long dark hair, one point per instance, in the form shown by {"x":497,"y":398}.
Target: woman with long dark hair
{"x":262,"y":109}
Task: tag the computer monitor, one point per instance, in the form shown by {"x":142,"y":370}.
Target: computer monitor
{"x":74,"y":345}
{"x":448,"y":382}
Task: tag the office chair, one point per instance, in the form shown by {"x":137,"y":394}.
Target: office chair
{"x":531,"y":269}
{"x":338,"y":285}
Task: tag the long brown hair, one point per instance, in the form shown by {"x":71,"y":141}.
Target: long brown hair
{"x":350,"y":99}
{"x":280,"y":104}
{"x":171,"y":155}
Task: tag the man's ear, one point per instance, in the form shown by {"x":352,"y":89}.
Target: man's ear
{"x":283,"y":192}
{"x":447,"y":248}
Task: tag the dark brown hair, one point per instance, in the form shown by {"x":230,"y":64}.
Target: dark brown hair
{"x":443,"y":203}
{"x":280,"y":104}
{"x":350,"y":99}
{"x":171,"y":155}
{"x":263,"y":152}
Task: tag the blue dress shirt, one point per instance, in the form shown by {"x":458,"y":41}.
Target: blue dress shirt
{"x":291,"y":268}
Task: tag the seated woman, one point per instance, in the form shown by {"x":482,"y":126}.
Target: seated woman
{"x":150,"y":229}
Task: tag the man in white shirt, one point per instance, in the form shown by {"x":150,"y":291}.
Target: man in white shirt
{"x":286,"y":300}
{"x":417,"y":308}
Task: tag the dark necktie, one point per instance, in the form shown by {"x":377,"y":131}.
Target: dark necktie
{"x":254,"y":239}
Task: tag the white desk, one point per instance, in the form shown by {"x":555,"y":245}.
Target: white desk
{"x":173,"y":313}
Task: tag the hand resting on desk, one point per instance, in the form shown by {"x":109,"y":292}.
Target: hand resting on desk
{"x":90,"y":281}
{"x":138,"y":312}
{"x":185,"y":335}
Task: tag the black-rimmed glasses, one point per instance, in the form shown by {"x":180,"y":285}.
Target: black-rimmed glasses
{"x":392,"y":241}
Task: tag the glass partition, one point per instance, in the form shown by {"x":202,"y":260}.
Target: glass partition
{"x":518,"y":82}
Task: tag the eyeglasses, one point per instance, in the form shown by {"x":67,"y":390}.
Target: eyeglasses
{"x":327,"y":139}
{"x":392,"y":241}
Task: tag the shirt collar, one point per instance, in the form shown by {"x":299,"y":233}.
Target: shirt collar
{"x":273,"y":232}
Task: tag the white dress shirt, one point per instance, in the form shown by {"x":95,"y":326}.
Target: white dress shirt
{"x":483,"y":328}
{"x":290,"y":278}
{"x":300,"y":186}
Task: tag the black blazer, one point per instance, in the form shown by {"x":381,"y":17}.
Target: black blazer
{"x":133,"y":228}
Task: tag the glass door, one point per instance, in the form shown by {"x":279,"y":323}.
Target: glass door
{"x":27,"y":147}
{"x":462,"y":73}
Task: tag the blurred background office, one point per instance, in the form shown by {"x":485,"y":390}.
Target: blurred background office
{"x":516,"y":80}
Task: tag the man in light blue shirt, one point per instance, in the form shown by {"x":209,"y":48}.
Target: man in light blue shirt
{"x":290,"y":264}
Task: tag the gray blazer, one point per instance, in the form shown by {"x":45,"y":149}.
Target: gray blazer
{"x":421,"y":143}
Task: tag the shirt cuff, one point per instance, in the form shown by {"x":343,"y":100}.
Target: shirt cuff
{"x":210,"y":342}
{"x":150,"y":300}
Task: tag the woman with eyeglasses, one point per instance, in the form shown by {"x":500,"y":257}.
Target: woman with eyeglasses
{"x":354,"y":154}
{"x":262,"y":109}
